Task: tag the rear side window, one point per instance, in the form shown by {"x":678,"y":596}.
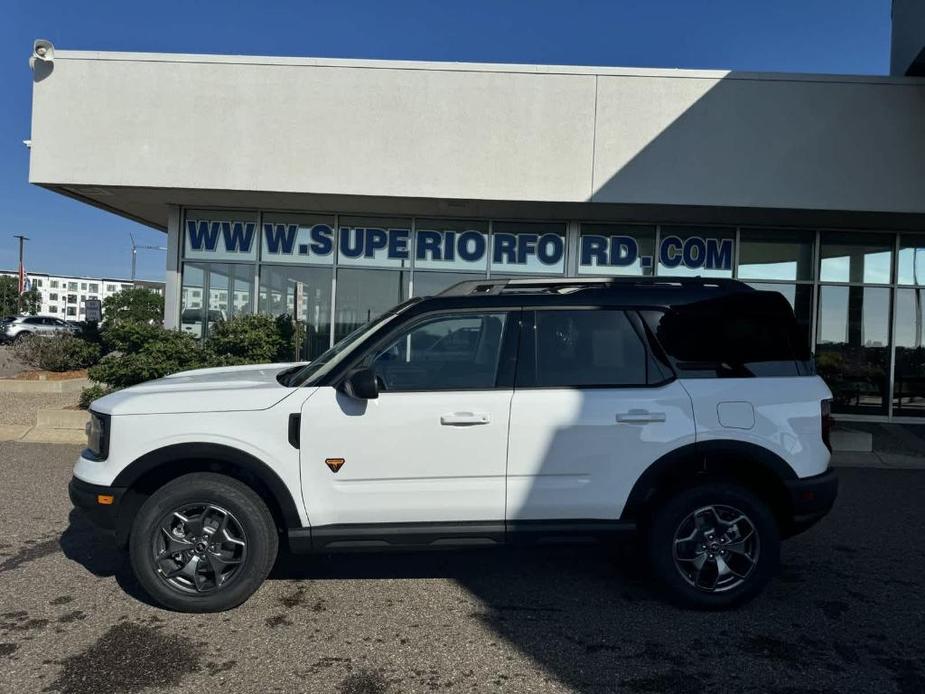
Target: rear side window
{"x":735,"y":336}
{"x":588,"y":348}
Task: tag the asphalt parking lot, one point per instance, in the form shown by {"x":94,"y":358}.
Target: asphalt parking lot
{"x":846,"y":614}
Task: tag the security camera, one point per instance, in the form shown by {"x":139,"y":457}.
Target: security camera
{"x":43,"y":50}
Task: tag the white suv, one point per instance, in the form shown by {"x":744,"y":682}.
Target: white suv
{"x":685,"y":412}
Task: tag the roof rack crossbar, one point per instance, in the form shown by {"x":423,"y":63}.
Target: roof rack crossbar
{"x":557,"y":284}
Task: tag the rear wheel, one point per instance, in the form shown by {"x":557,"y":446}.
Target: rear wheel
{"x":713,"y":546}
{"x":203,"y":543}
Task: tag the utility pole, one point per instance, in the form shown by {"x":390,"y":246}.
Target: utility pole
{"x":22,"y":268}
{"x":135,"y":248}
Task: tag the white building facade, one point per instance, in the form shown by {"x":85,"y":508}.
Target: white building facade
{"x":333,"y":189}
{"x":65,"y":296}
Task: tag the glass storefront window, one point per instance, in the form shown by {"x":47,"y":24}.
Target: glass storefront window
{"x":852,"y":346}
{"x":228,"y":235}
{"x":531,"y":248}
{"x":364,"y":294}
{"x":696,"y":251}
{"x":303,"y":294}
{"x":776,"y":254}
{"x":616,"y":250}
{"x":855,"y":258}
{"x":431,"y":283}
{"x":909,"y":382}
{"x":800,"y":297}
{"x":911,"y":261}
{"x":451,"y":244}
{"x":212,"y":292}
{"x":374,"y":242}
{"x":302,"y":239}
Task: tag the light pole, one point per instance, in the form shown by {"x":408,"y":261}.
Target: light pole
{"x":135,"y":248}
{"x":22,"y":268}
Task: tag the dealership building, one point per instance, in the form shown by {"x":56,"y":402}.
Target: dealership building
{"x":332,"y":189}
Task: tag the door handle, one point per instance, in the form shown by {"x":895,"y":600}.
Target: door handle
{"x":464,"y":419}
{"x":640,"y":417}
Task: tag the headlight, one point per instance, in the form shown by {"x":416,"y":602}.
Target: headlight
{"x":98,"y":435}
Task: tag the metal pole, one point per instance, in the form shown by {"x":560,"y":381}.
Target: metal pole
{"x":22,"y":268}
{"x":134,"y":253}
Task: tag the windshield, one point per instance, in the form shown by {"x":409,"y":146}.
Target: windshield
{"x":307,"y":375}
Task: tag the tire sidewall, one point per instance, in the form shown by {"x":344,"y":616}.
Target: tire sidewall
{"x":250,"y":511}
{"x":668,"y":517}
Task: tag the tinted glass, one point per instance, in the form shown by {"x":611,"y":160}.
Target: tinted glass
{"x":911,"y":261}
{"x":431,"y":283}
{"x":909,"y":386}
{"x":362,"y":295}
{"x":855,"y":258}
{"x":303,"y":294}
{"x":735,"y":336}
{"x":800,"y":298}
{"x":588,"y":348}
{"x":775,"y":254}
{"x":447,"y":353}
{"x":852,"y":352}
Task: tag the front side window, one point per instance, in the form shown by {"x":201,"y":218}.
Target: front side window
{"x":588,"y":348}
{"x":458,"y":352}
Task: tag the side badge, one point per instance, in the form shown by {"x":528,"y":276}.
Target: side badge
{"x":334,"y":463}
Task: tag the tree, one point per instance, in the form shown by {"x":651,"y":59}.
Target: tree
{"x":137,"y":305}
{"x":11,"y":303}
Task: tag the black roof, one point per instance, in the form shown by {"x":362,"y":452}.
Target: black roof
{"x":607,"y":291}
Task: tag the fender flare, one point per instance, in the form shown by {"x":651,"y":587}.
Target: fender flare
{"x":166,"y":457}
{"x":693,"y":456}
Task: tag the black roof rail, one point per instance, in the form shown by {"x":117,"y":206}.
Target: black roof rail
{"x":562,"y":285}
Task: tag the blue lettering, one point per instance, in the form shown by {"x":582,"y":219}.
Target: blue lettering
{"x":504,"y":248}
{"x":593,"y":248}
{"x":280,"y":235}
{"x":449,"y":245}
{"x":356,"y":250}
{"x":238,"y":236}
{"x":526,"y":245}
{"x":471,"y":246}
{"x":550,"y":249}
{"x":428,"y":241}
{"x":694,"y":252}
{"x":623,"y":251}
{"x":670,"y":251}
{"x":202,"y":233}
{"x":376,"y":240}
{"x":719,"y":254}
{"x":322,"y":237}
{"x":398,"y":243}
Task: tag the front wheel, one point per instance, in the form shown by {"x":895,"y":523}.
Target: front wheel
{"x":203,"y":542}
{"x":713,"y":546}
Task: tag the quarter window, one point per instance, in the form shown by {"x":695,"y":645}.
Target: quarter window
{"x":458,"y":352}
{"x":588,"y":348}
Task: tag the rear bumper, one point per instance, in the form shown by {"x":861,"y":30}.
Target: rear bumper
{"x":811,"y":498}
{"x":91,"y":498}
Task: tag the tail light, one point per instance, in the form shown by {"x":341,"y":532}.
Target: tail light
{"x":826,"y":420}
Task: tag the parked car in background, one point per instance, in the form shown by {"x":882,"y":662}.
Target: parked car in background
{"x":14,"y":328}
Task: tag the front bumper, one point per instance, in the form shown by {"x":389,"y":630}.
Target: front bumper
{"x":100,"y":505}
{"x":811,"y":498}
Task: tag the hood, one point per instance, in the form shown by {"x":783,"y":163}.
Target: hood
{"x":222,"y":389}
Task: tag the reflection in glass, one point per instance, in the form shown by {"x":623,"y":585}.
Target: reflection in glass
{"x":852,"y":352}
{"x":364,"y":294}
{"x":909,"y":384}
{"x":911,"y":261}
{"x":800,"y":297}
{"x":304,"y":294}
{"x":431,"y":283}
{"x":775,"y":254}
{"x":212,"y":292}
{"x":855,"y":258}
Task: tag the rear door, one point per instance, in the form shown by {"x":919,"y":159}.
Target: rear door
{"x":432,"y":447}
{"x":591,"y":411}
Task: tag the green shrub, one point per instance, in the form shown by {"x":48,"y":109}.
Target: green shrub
{"x":135,"y":304}
{"x":166,"y":352}
{"x":126,"y":336}
{"x":253,"y":339}
{"x":91,"y":393}
{"x":57,"y":353}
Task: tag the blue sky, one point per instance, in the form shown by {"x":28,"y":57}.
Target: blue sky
{"x":829,"y":36}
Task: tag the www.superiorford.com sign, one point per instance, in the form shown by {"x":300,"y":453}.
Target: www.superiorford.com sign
{"x":473,"y":250}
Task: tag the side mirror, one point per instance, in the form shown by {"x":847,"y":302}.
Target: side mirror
{"x":361,"y":384}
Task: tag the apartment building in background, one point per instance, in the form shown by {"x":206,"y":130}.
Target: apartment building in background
{"x":65,"y":296}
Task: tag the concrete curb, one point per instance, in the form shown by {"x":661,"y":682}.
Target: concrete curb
{"x":61,"y":419}
{"x":71,"y":385}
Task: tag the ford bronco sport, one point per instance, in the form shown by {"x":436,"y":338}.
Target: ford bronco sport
{"x":684,"y":412}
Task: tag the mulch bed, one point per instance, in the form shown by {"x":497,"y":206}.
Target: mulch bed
{"x":51,"y":375}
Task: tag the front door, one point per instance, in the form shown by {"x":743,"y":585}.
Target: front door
{"x":432,"y":447}
{"x":588,"y":417}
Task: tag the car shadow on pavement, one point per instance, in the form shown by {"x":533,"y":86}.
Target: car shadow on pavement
{"x":83,"y":543}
